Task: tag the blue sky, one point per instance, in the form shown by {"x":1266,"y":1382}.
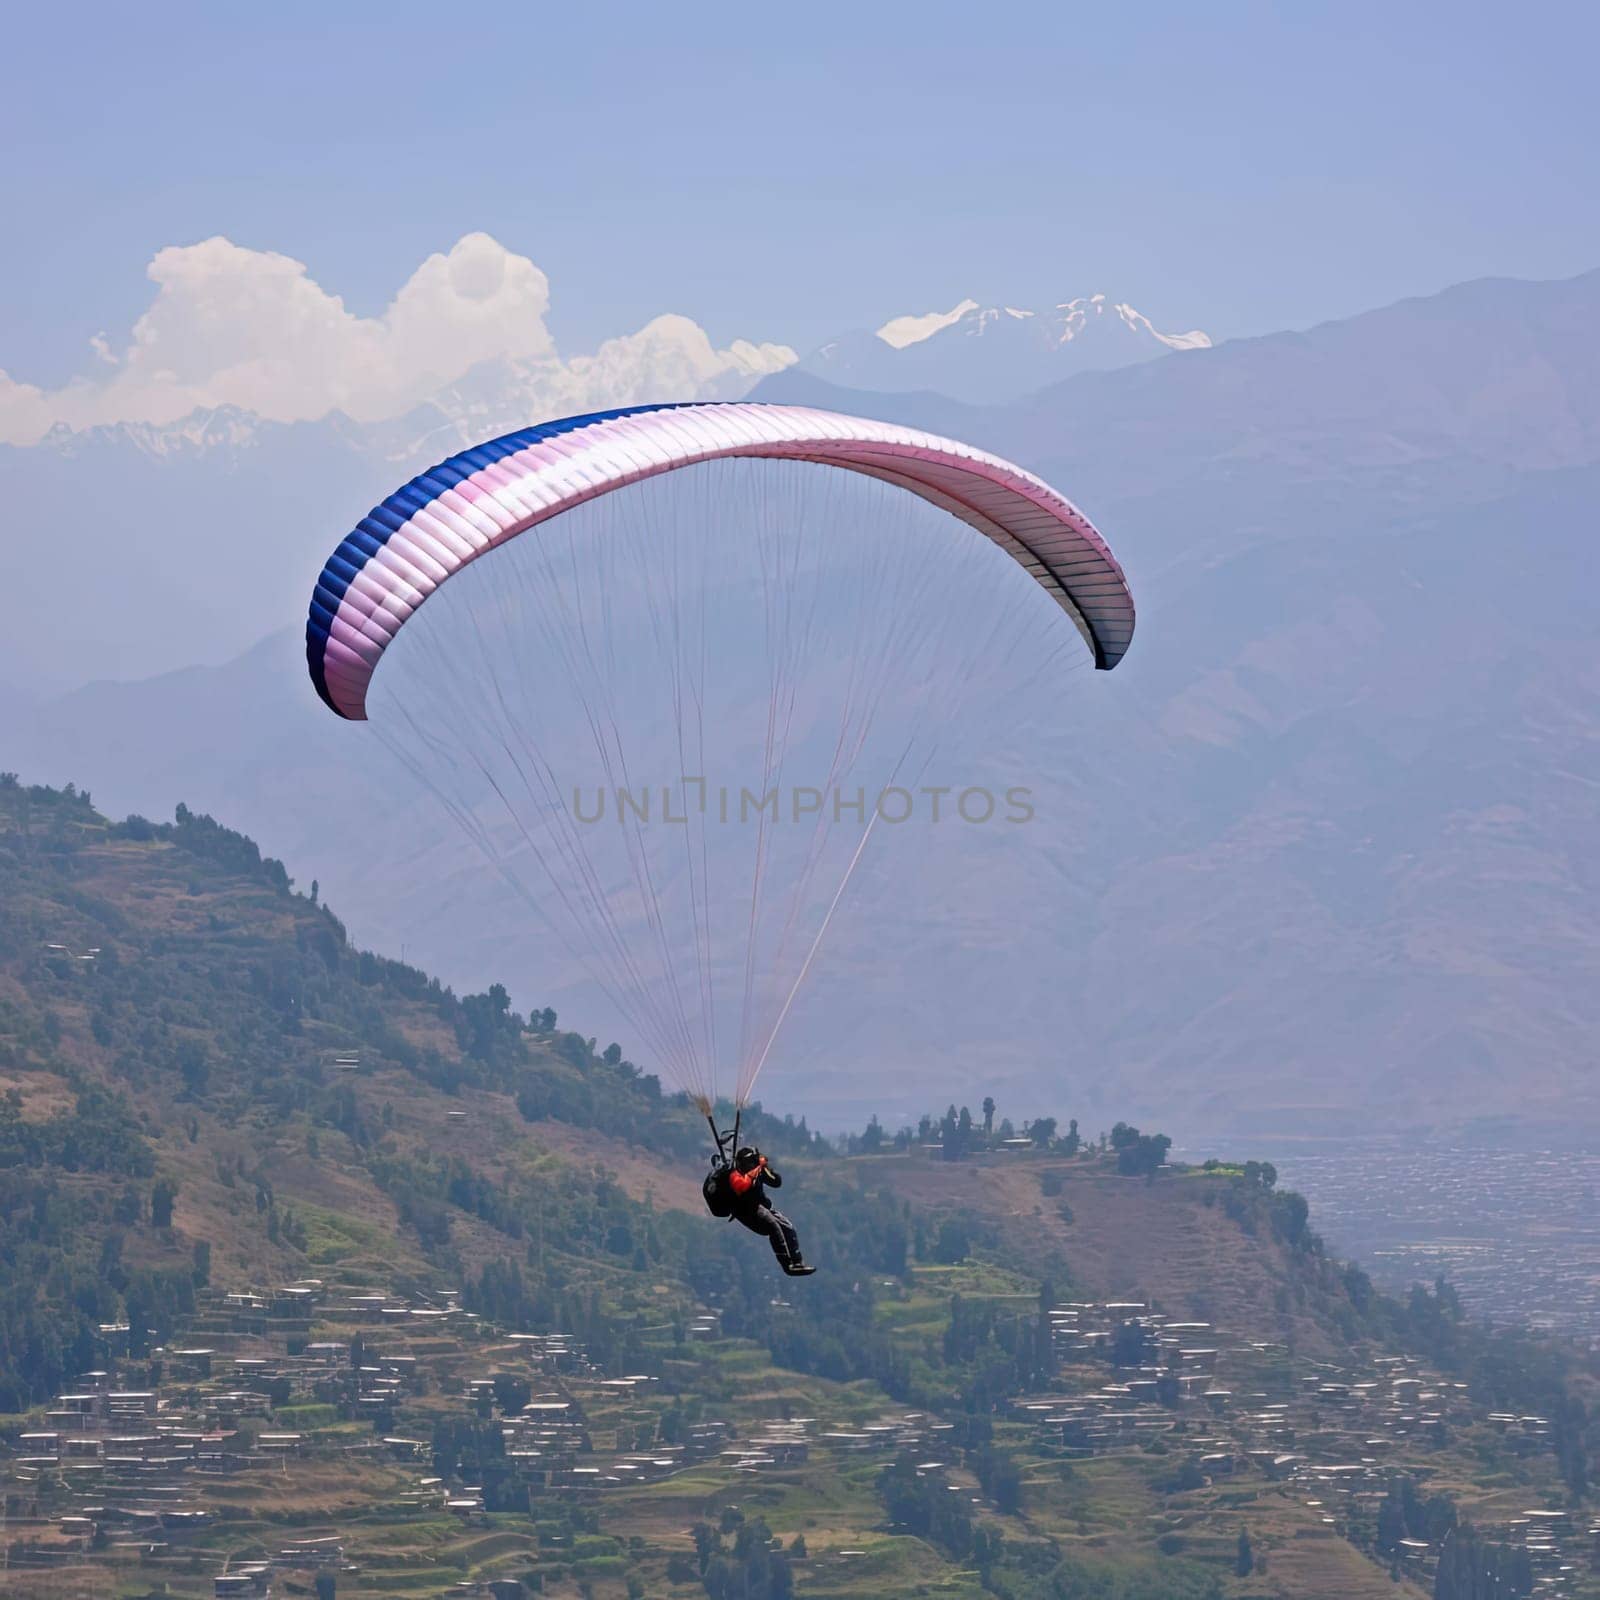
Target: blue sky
{"x":784,"y":173}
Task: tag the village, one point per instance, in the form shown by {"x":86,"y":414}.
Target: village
{"x":275,"y":1401}
{"x":1342,"y":1436}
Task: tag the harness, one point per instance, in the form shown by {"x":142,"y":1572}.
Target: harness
{"x":715,"y":1188}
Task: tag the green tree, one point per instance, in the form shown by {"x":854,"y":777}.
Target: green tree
{"x":1570,"y":1431}
{"x":1001,"y":1478}
{"x":1131,"y":1345}
{"x":1471,"y":1568}
{"x":194,"y":1067}
{"x":511,"y":1392}
{"x":1138,"y":1154}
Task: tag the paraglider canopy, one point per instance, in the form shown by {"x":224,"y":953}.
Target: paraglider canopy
{"x":404,"y":548}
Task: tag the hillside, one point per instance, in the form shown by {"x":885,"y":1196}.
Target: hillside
{"x":310,"y":1265}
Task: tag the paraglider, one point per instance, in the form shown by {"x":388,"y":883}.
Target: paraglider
{"x":735,"y":1188}
{"x":805,"y":585}
{"x":752,"y":1175}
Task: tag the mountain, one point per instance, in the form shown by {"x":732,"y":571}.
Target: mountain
{"x":995,"y":353}
{"x":148,"y":542}
{"x":1320,"y":853}
{"x":311,"y":1268}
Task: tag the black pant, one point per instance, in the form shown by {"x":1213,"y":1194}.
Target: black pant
{"x":775,"y":1226}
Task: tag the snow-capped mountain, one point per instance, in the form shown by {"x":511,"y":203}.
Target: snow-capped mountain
{"x":990,"y":353}
{"x":215,"y":428}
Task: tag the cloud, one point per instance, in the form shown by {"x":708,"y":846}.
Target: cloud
{"x":24,"y":411}
{"x":253,"y":329}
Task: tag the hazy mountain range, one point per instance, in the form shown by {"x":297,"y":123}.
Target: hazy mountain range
{"x":1325,"y":845}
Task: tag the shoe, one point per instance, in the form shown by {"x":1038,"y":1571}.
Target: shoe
{"x":799,"y":1270}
